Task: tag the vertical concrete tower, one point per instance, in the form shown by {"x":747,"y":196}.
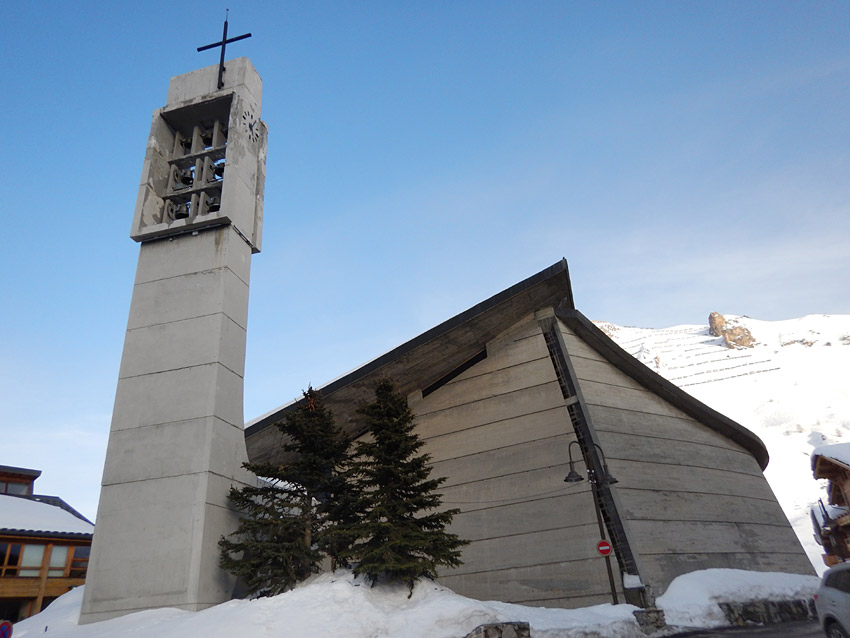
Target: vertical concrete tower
{"x":176,"y":443}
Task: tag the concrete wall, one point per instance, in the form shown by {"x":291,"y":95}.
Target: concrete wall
{"x":690,"y":498}
{"x":177,"y":442}
{"x":499,"y":432}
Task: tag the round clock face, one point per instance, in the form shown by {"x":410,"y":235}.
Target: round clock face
{"x":251,"y":125}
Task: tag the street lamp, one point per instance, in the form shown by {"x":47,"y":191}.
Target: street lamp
{"x":595,"y":483}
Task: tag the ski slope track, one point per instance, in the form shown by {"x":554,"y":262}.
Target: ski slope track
{"x":791,"y":388}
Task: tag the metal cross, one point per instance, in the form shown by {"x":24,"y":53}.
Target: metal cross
{"x":223,"y":44}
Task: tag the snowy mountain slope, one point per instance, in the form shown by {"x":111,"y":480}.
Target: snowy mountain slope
{"x":791,"y":388}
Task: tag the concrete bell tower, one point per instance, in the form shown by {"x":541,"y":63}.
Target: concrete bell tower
{"x":176,"y":444}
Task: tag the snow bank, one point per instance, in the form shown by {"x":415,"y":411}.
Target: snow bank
{"x":691,"y":600}
{"x":336,"y":606}
{"x":341,"y":606}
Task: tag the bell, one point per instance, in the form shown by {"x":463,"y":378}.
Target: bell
{"x":187,"y":176}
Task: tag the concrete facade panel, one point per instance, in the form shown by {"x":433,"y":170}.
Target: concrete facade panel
{"x":172,"y":449}
{"x":573,"y":509}
{"x":523,"y":345}
{"x":138,"y":512}
{"x":602,"y":372}
{"x":684,"y":537}
{"x":578,"y":348}
{"x":523,"y":550}
{"x":179,"y":395}
{"x":503,"y":490}
{"x":688,"y":478}
{"x":476,"y":412}
{"x":648,"y":450}
{"x":690,"y":506}
{"x":510,"y":460}
{"x":627,"y":399}
{"x":515,"y":431}
{"x":183,"y":344}
{"x":656,"y":426}
{"x":211,"y":249}
{"x":498,"y":382}
{"x":189,"y":296}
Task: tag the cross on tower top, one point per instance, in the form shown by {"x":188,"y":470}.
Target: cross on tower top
{"x":223,"y":44}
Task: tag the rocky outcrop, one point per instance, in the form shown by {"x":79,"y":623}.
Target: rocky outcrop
{"x":716,"y":323}
{"x":733,"y":336}
{"x":501,"y":630}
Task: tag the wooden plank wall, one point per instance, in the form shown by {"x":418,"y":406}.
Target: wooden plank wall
{"x":499,"y":432}
{"x":690,"y":498}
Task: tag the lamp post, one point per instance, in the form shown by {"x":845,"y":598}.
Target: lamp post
{"x":595,"y":482}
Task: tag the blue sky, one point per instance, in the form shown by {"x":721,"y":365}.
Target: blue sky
{"x":685,"y":157}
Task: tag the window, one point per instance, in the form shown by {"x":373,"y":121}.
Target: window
{"x":31,"y":559}
{"x":10,"y":556}
{"x":80,"y":561}
{"x":14,"y":487}
{"x":839,"y":580}
{"x":18,"y":559}
{"x":58,"y":558}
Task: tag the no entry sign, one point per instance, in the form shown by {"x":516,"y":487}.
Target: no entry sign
{"x":603,"y":547}
{"x":5,"y":629}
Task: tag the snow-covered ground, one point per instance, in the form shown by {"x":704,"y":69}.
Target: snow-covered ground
{"x":340,"y":606}
{"x":791,"y":389}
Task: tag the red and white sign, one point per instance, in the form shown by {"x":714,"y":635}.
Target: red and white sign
{"x":603,"y":547}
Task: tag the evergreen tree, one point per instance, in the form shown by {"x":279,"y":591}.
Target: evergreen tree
{"x":402,"y":535}
{"x":289,"y":520}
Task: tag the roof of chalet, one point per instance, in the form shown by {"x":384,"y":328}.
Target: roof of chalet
{"x":42,"y":516}
{"x":832,"y":462}
{"x":434,"y":354}
{"x":826,"y":459}
{"x":19,"y":472}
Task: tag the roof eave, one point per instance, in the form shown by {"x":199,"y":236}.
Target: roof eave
{"x":557,"y":270}
{"x":614,"y":354}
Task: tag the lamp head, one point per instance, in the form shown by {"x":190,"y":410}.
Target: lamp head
{"x":572,"y":475}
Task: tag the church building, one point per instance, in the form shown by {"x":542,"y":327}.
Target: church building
{"x":552,"y":438}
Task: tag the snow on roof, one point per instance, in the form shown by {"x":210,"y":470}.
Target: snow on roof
{"x":838,"y":452}
{"x":25,"y":515}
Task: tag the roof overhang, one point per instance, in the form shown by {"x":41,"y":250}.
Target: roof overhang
{"x":424,"y":359}
{"x":434,"y":354}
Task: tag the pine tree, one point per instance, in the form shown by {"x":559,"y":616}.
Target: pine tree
{"x":268,"y":551}
{"x":402,"y":534}
{"x":288,"y":522}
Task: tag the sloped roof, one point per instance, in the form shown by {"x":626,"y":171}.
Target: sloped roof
{"x":426,"y":358}
{"x":28,"y":516}
{"x":19,"y":472}
{"x":434,"y":354}
{"x":836,"y":455}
